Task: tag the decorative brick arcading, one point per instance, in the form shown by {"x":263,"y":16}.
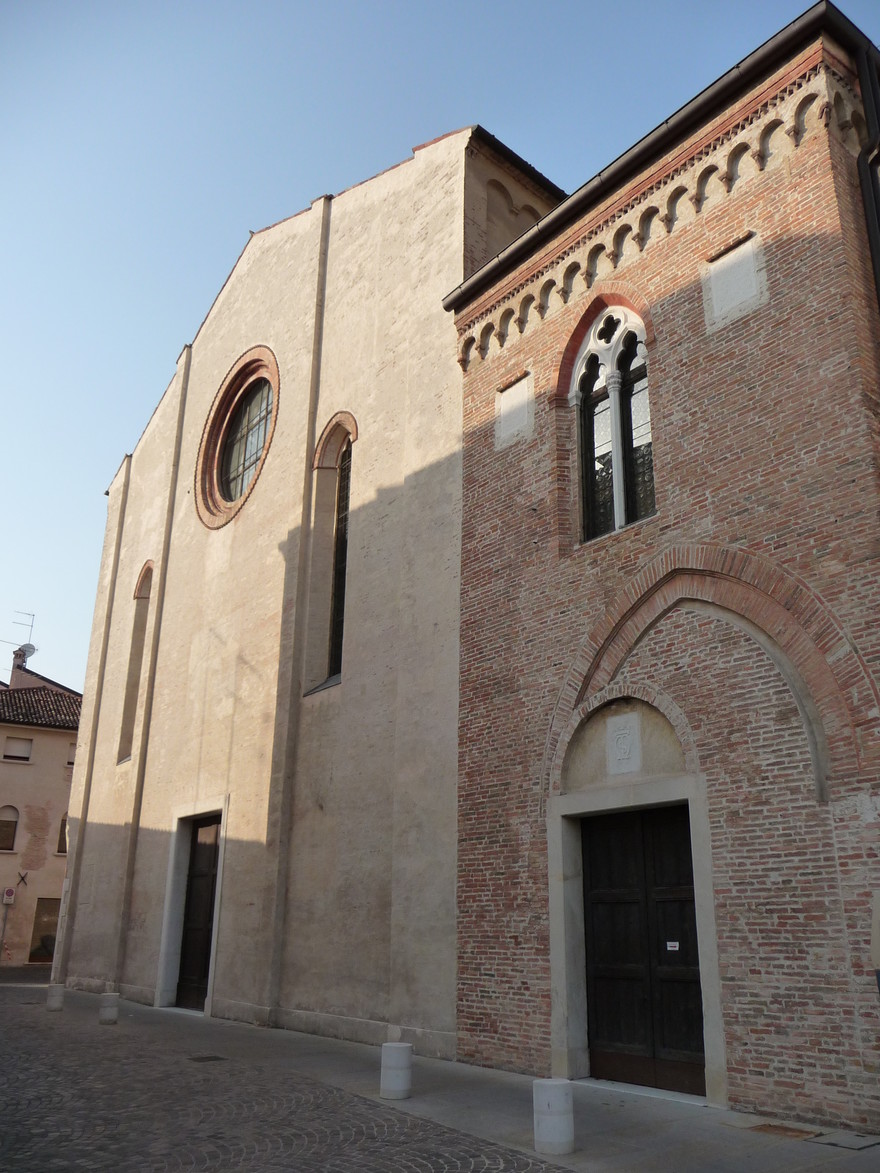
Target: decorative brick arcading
{"x":815,"y":95}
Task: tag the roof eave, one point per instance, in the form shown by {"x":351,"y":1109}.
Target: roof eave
{"x":823,"y":17}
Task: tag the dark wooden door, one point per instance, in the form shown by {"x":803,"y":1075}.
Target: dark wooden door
{"x":644,"y":1004}
{"x":198,"y":913}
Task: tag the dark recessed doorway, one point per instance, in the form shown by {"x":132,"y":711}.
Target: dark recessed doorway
{"x":644,"y":1002}
{"x":198,"y":913}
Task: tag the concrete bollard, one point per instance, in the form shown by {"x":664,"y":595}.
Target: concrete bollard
{"x":554,"y":1116}
{"x":396,"y":1078}
{"x":108,"y":1012}
{"x":55,"y":997}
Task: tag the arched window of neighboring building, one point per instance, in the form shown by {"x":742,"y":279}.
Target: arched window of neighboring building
{"x":328,"y":573}
{"x":610,"y":389}
{"x":8,"y":827}
{"x":135,"y":660}
{"x":62,"y":835}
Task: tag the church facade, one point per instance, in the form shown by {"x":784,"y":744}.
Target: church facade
{"x":498,"y":671}
{"x":264,"y":818}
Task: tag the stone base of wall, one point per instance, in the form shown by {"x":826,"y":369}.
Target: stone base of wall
{"x":434,"y":1044}
{"x":240,"y":1011}
{"x":145,"y":995}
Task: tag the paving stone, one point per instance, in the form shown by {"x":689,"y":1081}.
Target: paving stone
{"x":79,"y":1097}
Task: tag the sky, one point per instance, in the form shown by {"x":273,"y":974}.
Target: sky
{"x":141,"y":142}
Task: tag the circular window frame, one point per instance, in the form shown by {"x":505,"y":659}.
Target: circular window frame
{"x":212,"y":507}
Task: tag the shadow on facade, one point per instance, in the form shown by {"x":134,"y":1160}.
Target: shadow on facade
{"x":396,"y":868}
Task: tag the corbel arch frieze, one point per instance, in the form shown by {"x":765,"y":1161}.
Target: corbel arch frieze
{"x":835,"y":692}
{"x":568,"y":278}
{"x":505,"y":325}
{"x":819,"y":100}
{"x":466,"y":350}
{"x":546,"y":291}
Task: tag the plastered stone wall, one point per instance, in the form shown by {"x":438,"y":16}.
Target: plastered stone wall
{"x":336,"y":896}
{"x":764,"y":440}
{"x":500,"y":204}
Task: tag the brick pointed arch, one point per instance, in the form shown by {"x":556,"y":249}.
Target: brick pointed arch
{"x":145,"y":581}
{"x":339,"y":429}
{"x":612,"y":294}
{"x":780,"y":607}
{"x":626,"y":690}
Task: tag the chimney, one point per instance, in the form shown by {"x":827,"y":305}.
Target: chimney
{"x":20,"y":677}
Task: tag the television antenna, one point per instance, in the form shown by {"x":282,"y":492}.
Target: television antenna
{"x":22,"y":623}
{"x":28,"y":648}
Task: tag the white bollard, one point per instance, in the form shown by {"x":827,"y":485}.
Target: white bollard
{"x":55,"y":997}
{"x":554,"y":1116}
{"x":108,"y":1012}
{"x":396,"y":1078}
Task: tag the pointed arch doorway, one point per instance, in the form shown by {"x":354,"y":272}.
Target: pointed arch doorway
{"x":630,"y":878}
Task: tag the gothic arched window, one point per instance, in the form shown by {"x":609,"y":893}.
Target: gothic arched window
{"x":329,"y":551}
{"x":610,"y":389}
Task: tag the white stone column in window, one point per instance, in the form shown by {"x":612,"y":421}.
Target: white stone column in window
{"x":613,"y":381}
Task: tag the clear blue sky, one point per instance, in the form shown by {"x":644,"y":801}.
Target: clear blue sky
{"x":141,"y":141}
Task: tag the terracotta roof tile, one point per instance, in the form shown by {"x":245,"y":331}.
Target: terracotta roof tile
{"x":45,"y":707}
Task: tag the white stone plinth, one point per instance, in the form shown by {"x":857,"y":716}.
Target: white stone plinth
{"x":554,"y":1116}
{"x":396,"y":1078}
{"x":55,"y":997}
{"x":108,"y":1013}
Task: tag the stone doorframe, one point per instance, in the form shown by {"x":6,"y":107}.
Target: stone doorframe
{"x":568,"y":990}
{"x":175,"y":898}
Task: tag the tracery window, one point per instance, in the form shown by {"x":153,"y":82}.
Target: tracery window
{"x":610,"y":389}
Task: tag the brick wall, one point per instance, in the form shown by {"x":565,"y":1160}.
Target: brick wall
{"x":765,"y":449}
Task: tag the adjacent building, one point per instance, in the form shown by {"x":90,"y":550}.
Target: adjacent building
{"x":38,"y":731}
{"x":498,"y":671}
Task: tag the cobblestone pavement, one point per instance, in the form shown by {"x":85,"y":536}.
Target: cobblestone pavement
{"x":78,"y":1096}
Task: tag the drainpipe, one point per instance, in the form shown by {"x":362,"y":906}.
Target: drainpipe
{"x":74,"y":860}
{"x":298,"y":654}
{"x":150,"y":683}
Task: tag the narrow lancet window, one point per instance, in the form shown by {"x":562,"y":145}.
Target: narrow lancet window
{"x":135,"y":662}
{"x":340,"y":558}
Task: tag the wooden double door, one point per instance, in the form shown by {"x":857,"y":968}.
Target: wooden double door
{"x":644,"y":1004}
